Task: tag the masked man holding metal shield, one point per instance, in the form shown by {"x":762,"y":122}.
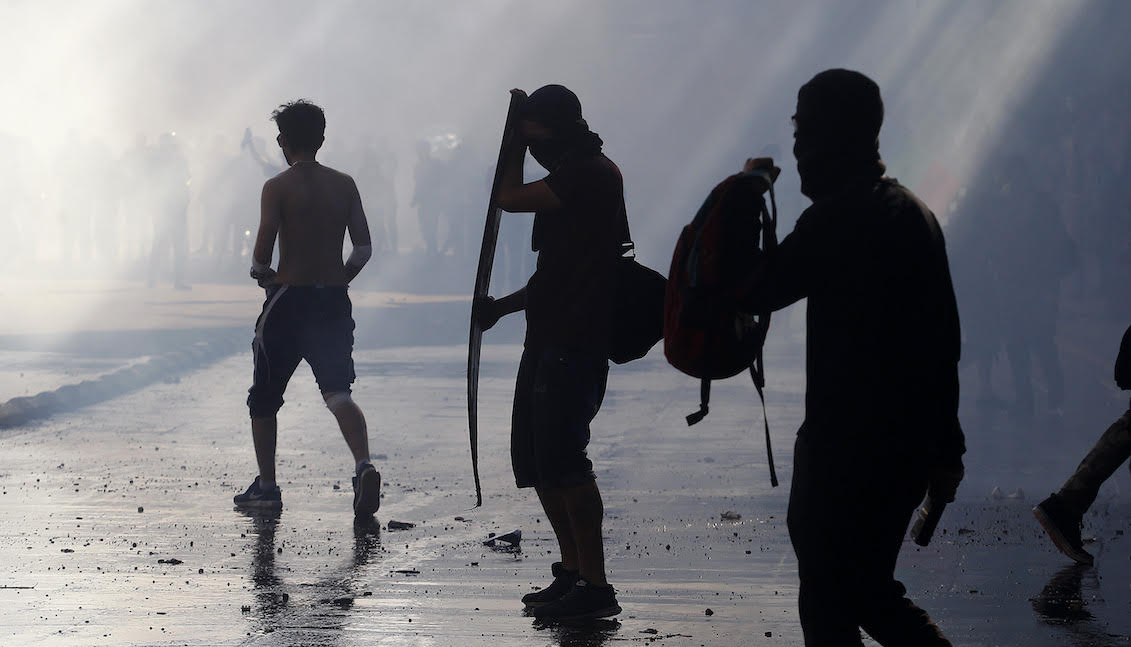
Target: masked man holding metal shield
{"x":579,"y":222}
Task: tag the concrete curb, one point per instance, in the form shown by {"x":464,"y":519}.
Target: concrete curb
{"x":23,"y":409}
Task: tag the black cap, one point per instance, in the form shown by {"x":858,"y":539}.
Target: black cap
{"x":553,"y":106}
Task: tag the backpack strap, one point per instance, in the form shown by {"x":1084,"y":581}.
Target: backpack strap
{"x":758,"y":375}
{"x":704,"y":399}
{"x":758,"y":368}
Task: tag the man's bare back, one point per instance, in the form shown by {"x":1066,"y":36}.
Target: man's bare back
{"x":310,"y":207}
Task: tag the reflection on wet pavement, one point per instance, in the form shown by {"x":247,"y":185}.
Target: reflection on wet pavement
{"x":580,"y":633}
{"x":320,"y":607}
{"x":1062,"y":603}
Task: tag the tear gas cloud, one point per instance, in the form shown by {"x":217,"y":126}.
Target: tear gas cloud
{"x":117,"y":110}
{"x":680,"y":92}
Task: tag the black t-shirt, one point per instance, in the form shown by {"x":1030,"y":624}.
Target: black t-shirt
{"x":569,"y":299}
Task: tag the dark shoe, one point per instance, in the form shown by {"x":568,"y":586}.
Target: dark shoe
{"x":258,"y":497}
{"x":563,"y":582}
{"x":1063,"y":526}
{"x":366,"y":491}
{"x":583,"y":601}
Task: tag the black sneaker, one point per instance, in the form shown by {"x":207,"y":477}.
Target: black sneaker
{"x":366,"y":491}
{"x":584,"y":600}
{"x":1063,"y":526}
{"x":563,"y":582}
{"x":258,"y":497}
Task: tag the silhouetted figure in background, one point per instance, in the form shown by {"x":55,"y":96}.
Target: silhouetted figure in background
{"x":21,"y":216}
{"x":881,"y":403}
{"x":169,"y":181}
{"x":428,"y":196}
{"x":1031,"y":253}
{"x":462,"y":199}
{"x":579,"y":223}
{"x":370,"y":179}
{"x":73,"y":190}
{"x":978,"y":285}
{"x":138,"y":203}
{"x":254,"y":146}
{"x":104,"y":185}
{"x":386,"y":201}
{"x":1063,"y":513}
{"x":308,"y":314}
{"x":240,"y":208}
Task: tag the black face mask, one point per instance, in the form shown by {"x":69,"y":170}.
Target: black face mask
{"x":826,"y":163}
{"x":549,"y":152}
{"x":574,"y":139}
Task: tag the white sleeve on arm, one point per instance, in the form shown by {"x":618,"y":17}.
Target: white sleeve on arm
{"x":258,"y":269}
{"x":359,"y":256}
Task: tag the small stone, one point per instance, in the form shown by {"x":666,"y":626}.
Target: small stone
{"x":140,"y":509}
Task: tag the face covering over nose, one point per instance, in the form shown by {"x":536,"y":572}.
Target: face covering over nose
{"x":839,"y":114}
{"x":558,"y":109}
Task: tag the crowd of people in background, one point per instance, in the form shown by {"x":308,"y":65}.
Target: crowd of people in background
{"x":171,"y":209}
{"x":1043,"y":229}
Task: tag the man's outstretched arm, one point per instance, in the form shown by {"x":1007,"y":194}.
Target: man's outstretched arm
{"x":358,"y":228}
{"x":265,"y":238}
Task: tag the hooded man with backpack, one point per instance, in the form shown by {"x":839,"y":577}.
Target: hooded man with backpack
{"x":579,"y":224}
{"x":882,"y":347}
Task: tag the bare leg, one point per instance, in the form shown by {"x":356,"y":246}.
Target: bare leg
{"x":352,"y":423}
{"x":264,"y":432}
{"x":553,"y":502}
{"x":585,"y":514}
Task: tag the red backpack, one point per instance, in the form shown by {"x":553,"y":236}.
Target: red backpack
{"x":706,"y":334}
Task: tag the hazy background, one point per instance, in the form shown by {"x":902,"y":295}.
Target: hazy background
{"x":123,"y":125}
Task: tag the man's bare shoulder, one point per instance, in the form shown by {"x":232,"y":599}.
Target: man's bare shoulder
{"x":279,"y":179}
{"x":338,"y":176}
{"x":272,"y":184}
{"x":295,"y":176}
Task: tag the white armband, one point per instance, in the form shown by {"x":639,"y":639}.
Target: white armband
{"x":360,"y":256}
{"x":259,"y":269}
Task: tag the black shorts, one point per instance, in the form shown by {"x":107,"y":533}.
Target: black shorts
{"x":557,"y":395}
{"x":297,"y":323}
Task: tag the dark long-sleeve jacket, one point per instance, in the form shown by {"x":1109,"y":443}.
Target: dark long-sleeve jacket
{"x":1123,"y":362}
{"x":883,"y":336}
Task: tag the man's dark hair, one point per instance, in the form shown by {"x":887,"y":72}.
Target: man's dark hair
{"x":302,"y":123}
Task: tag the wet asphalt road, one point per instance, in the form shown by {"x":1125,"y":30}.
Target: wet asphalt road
{"x":116,"y":525}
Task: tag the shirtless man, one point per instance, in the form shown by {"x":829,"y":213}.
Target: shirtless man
{"x":307,"y":314}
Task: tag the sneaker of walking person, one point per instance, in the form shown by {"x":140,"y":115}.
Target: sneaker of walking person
{"x":583,"y":601}
{"x":260,"y":496}
{"x":366,"y":490}
{"x":563,"y":582}
{"x":1063,"y":527}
